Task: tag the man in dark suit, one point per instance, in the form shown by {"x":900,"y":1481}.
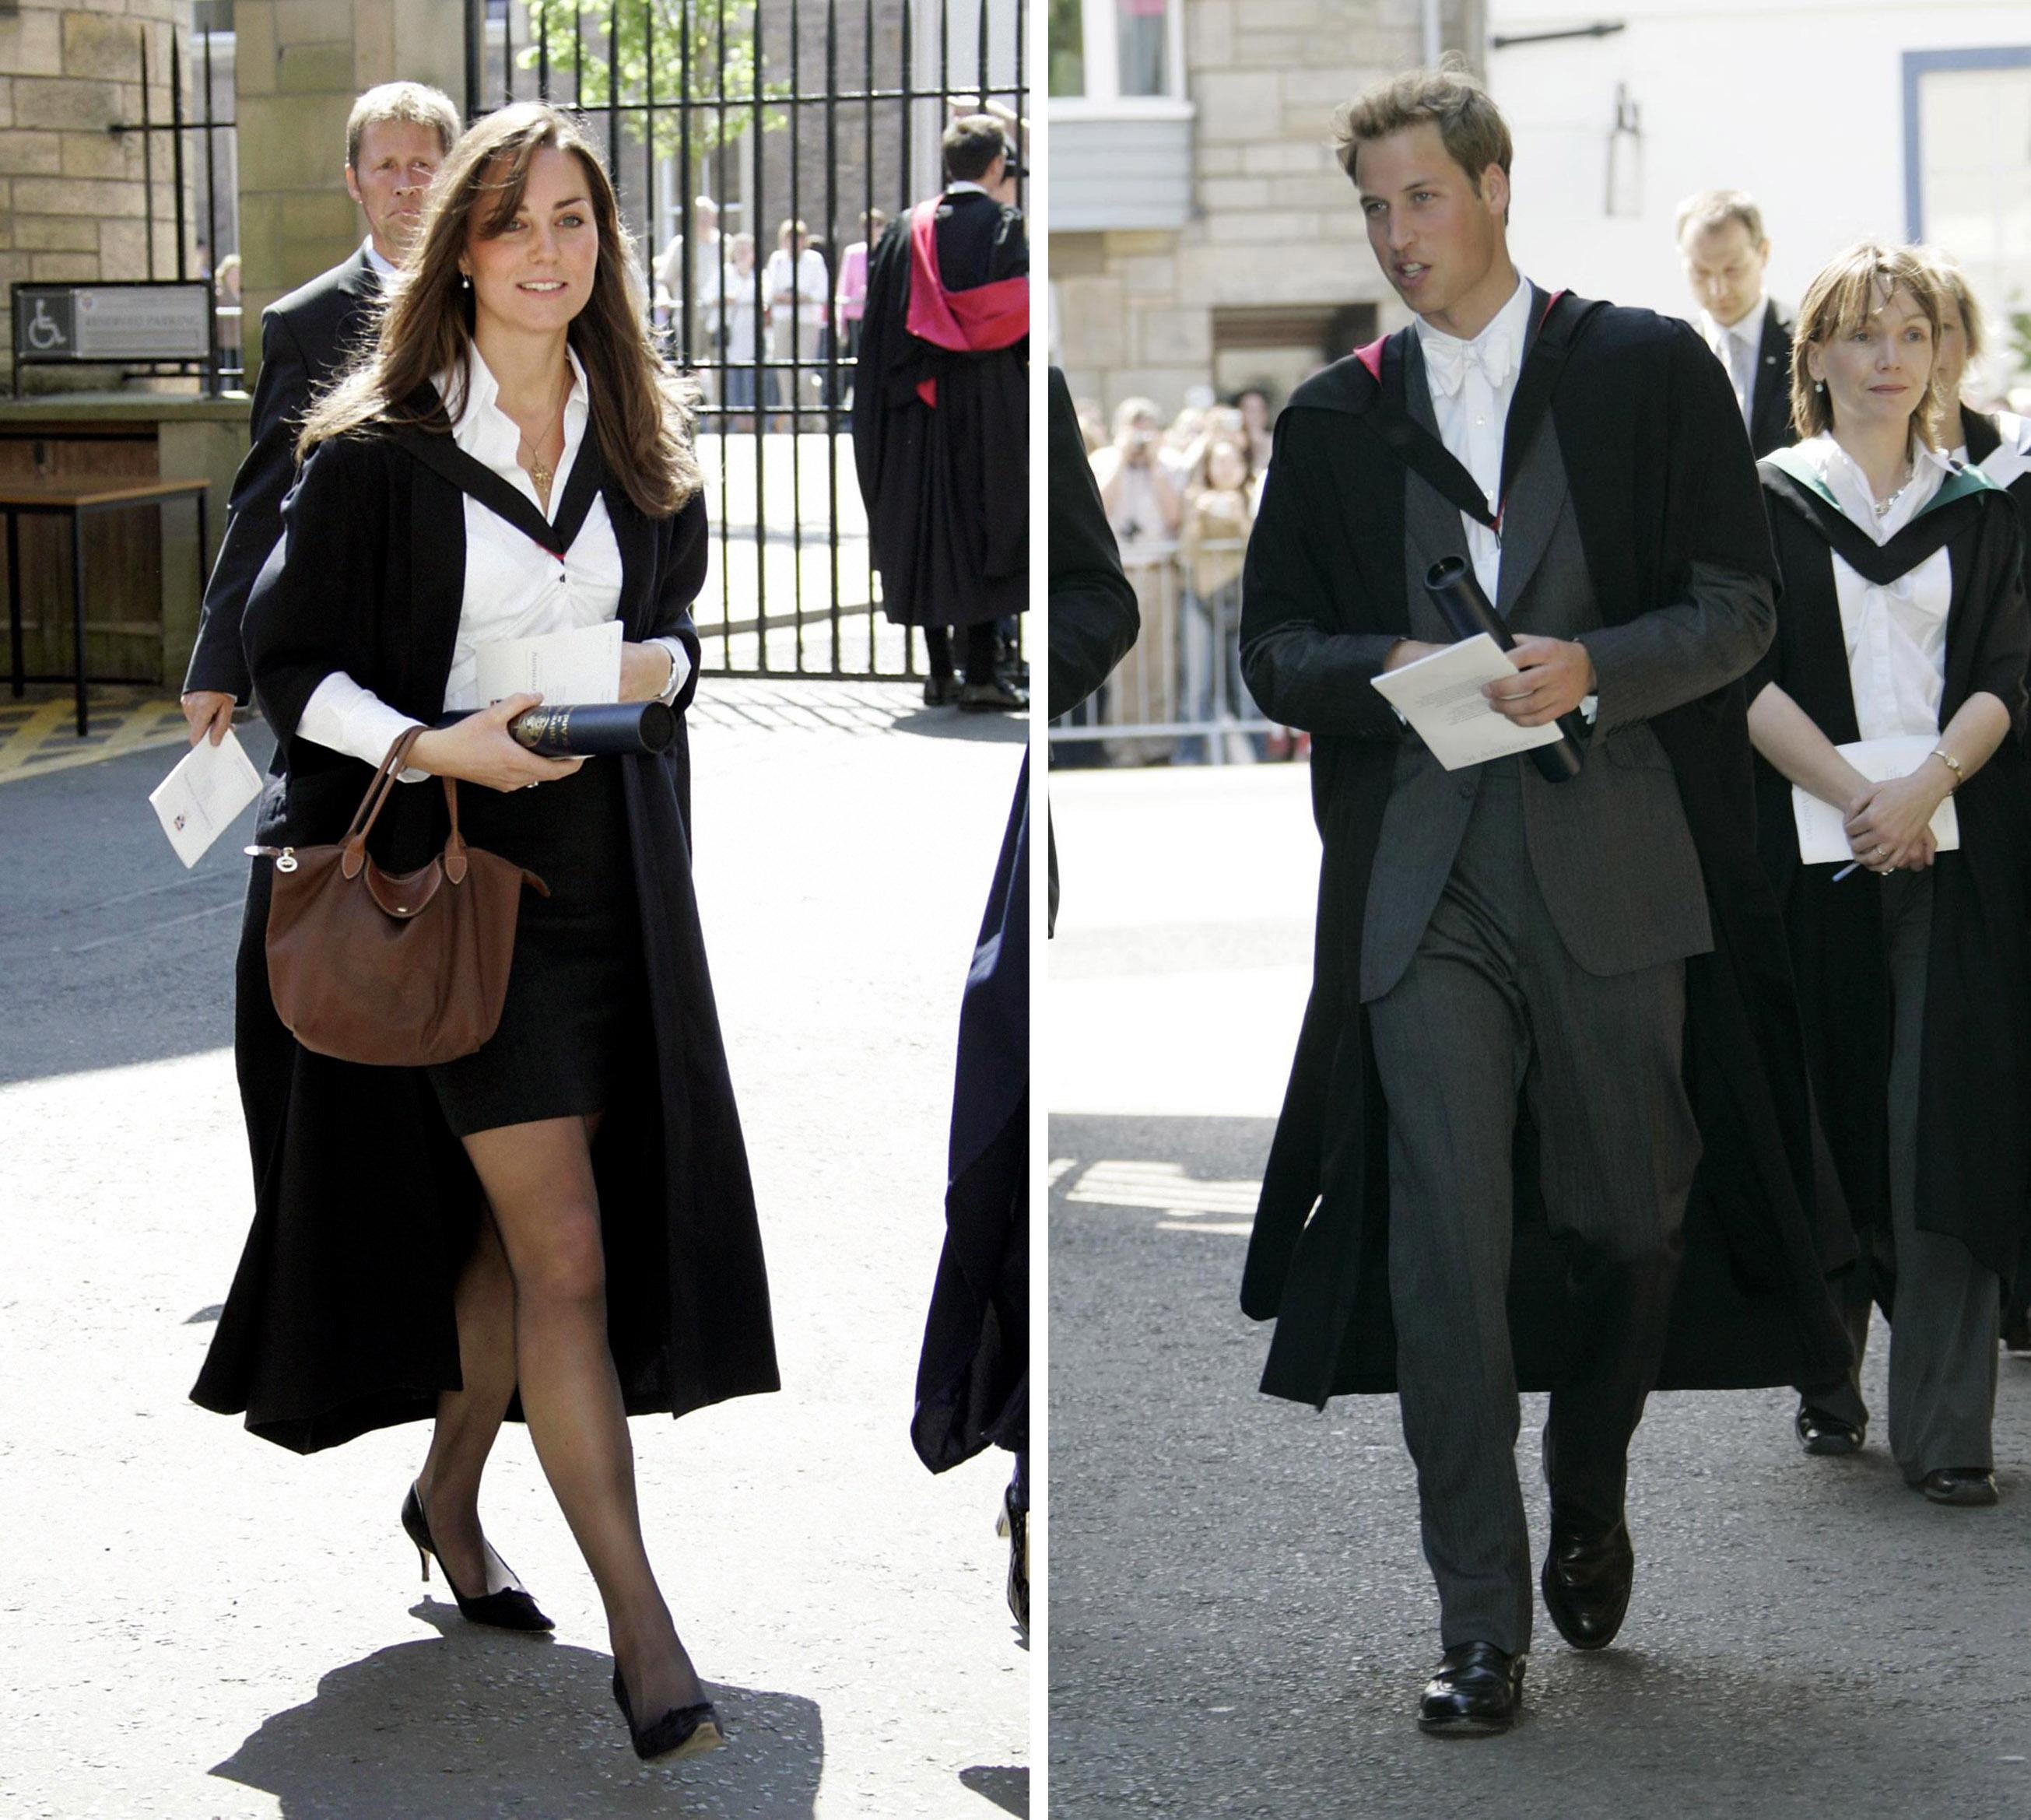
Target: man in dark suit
{"x":1494,"y":1154}
{"x":396,"y":137}
{"x":1722,"y":242}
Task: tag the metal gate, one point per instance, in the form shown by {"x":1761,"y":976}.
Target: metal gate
{"x":749,"y":144}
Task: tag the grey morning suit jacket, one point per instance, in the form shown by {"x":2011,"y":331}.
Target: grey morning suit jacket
{"x":1613,"y":857}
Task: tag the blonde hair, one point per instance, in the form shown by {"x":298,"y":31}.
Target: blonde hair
{"x":1945,"y":270}
{"x":641,"y":410}
{"x":1851,"y":287}
{"x":1469,"y":122}
{"x":412,"y":103}
{"x":1711,"y":209}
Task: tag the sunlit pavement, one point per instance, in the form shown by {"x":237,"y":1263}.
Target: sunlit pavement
{"x":200,"y":1624}
{"x":1241,"y":1617}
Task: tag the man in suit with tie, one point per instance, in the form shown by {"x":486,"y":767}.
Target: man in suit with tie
{"x":1721,"y":242}
{"x":1483,"y":1176}
{"x":396,"y":137}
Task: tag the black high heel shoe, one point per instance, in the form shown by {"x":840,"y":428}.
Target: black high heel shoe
{"x":682,"y":1732}
{"x":510,"y":1608}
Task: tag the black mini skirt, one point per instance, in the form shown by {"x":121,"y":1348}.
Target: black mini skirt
{"x":576,"y":996}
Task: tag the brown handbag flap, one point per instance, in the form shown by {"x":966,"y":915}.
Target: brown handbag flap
{"x":404,"y":894}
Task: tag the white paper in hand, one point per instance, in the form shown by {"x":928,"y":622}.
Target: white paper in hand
{"x":197,"y":801}
{"x":564,"y":667}
{"x":1823,"y":829}
{"x":1440,"y":696}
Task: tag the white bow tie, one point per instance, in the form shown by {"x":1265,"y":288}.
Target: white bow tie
{"x":1447,"y":360}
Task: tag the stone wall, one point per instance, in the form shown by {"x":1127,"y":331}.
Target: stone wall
{"x":300,"y":64}
{"x":73,"y":205}
{"x":1274,"y":223}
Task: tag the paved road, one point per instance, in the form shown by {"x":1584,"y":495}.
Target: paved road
{"x":198,"y":1625}
{"x":1240,"y":1614}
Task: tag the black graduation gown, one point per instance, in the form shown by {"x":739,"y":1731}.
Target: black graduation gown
{"x":1981,"y":438}
{"x":341,"y":1315}
{"x":947,"y":488}
{"x":1646,"y":423}
{"x":973,"y":1375}
{"x":1974,"y":1130}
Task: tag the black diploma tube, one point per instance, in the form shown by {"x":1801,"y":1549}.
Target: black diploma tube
{"x":1465,"y":608}
{"x":587,"y":729}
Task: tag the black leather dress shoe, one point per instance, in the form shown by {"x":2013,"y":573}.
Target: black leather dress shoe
{"x":995,"y":698}
{"x":1820,"y":1433}
{"x":1476,"y":1690}
{"x":1963,"y":1485}
{"x":1586,"y":1581}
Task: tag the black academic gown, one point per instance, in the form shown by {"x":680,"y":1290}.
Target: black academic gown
{"x":973,"y":1375}
{"x":1974,"y":1128}
{"x":1638,"y":408}
{"x":947,"y":488}
{"x":341,"y":1315}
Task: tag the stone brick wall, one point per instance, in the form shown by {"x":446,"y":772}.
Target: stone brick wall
{"x":299,"y":65}
{"x":72,"y":203}
{"x":1274,"y":222}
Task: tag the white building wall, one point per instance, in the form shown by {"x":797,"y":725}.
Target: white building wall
{"x":1800,"y":102}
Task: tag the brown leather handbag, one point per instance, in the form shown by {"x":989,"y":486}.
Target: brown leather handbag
{"x":400,"y":972}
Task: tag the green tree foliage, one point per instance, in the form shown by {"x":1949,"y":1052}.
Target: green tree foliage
{"x":704,"y":50}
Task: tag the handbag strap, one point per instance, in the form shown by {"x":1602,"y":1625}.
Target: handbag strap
{"x":454,"y":847}
{"x":369,"y":811}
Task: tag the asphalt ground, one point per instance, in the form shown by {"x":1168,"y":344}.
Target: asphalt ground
{"x":199,"y":1625}
{"x":1241,"y":1617}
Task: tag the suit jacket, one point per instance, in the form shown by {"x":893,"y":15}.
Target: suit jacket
{"x":341,"y":1317}
{"x":1613,"y":857}
{"x":307,"y":339}
{"x":1770,"y":407}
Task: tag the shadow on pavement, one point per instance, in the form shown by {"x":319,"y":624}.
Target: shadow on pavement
{"x":952,"y":724}
{"x":468,"y":1727}
{"x":1007,"y":1786}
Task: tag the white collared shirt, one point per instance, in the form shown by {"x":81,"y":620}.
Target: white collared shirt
{"x":373,"y":258}
{"x":1739,"y":349}
{"x":514,"y":587}
{"x":1896,"y":634}
{"x":1472,"y":420}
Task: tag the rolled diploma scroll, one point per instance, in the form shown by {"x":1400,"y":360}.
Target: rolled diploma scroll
{"x":589,"y":728}
{"x":1459,"y":597}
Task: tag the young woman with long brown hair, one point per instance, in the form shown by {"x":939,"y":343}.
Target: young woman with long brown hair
{"x":560,"y":1225}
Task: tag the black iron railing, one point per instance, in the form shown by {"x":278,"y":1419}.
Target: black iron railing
{"x":799,"y":113}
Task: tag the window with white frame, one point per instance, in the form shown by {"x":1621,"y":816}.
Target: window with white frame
{"x":1117,"y":58}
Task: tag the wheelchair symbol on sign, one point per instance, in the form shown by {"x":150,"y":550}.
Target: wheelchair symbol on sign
{"x":44,"y":334}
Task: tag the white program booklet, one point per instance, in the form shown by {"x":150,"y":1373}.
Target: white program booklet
{"x":198,"y":801}
{"x":1822,"y":827}
{"x":573,"y":667}
{"x":1440,"y":696}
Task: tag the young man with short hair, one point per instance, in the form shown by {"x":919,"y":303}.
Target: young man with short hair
{"x":1552,"y":1053}
{"x":396,"y":137}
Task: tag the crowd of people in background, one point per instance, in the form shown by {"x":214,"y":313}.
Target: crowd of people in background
{"x":799,"y":324}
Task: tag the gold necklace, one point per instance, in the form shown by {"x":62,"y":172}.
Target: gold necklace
{"x":541,"y":473}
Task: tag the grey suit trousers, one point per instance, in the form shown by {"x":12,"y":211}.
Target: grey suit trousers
{"x":1491,"y":1008}
{"x":1943,"y":1362}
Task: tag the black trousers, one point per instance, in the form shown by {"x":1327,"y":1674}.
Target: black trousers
{"x":982,"y":647}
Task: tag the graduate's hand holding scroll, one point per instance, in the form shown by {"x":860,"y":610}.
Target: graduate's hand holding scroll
{"x":480,"y":750}
{"x":645,"y":671}
{"x":1554,"y":675}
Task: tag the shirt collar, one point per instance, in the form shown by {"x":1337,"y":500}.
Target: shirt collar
{"x":373,"y":258}
{"x":961,"y":186}
{"x":489,"y":435}
{"x":1511,"y":322}
{"x":1849,"y":486}
{"x":1749,"y":330}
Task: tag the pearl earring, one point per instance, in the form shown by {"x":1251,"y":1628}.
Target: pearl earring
{"x":1819,"y":384}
